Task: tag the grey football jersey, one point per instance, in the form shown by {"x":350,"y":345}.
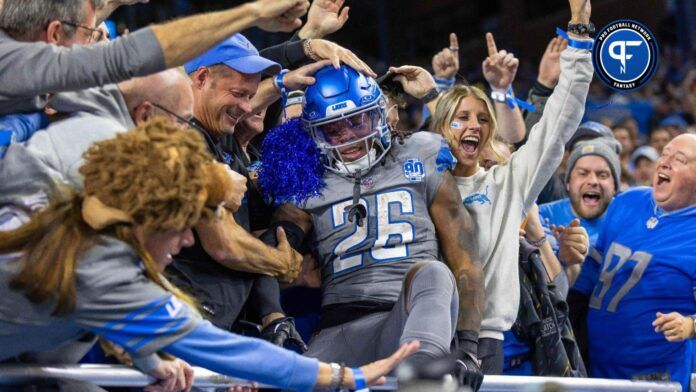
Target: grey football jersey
{"x":368,"y":262}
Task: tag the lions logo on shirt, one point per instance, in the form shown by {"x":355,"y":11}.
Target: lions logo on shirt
{"x":414,"y":170}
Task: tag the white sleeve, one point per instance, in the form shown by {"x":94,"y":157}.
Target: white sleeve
{"x":534,"y":163}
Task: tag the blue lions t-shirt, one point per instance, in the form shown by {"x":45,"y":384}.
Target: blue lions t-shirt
{"x":647,"y":260}
{"x":560,"y":213}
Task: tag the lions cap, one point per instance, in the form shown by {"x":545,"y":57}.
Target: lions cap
{"x":237,"y":53}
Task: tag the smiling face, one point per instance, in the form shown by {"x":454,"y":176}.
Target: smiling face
{"x":470,"y":131}
{"x":222,"y":96}
{"x":349,"y":134}
{"x":591,"y":186}
{"x":163,"y":245}
{"x":674,"y":183}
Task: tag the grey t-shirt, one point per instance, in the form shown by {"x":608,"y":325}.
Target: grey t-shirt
{"x":111,"y":287}
{"x":31,"y":172}
{"x":369,"y":262}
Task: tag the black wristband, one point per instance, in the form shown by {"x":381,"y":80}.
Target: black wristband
{"x":429,"y":96}
{"x":467,"y":341}
{"x":293,"y":232}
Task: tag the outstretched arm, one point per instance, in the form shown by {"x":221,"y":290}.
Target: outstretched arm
{"x":144,"y":52}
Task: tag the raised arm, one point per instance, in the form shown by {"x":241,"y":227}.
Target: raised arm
{"x":144,"y":52}
{"x":324,"y":17}
{"x":109,"y":6}
{"x":535,"y":162}
{"x":499,"y":69}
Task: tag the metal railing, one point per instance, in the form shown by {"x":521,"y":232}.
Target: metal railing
{"x":123,"y":376}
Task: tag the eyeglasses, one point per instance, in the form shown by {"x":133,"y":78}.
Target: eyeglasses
{"x":96,"y":35}
{"x":180,"y":120}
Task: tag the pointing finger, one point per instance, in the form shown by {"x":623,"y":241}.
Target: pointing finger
{"x":492,"y":49}
{"x":454,"y":42}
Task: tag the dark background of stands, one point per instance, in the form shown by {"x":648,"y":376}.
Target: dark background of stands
{"x":396,"y":32}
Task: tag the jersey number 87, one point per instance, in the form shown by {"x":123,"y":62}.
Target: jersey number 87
{"x":624,"y":254}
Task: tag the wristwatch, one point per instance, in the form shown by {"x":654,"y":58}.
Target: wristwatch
{"x":581,"y":28}
{"x":429,"y":96}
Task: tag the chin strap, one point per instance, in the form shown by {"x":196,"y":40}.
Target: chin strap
{"x":356,"y":209}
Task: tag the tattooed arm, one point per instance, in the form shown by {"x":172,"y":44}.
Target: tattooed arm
{"x":458,"y":244}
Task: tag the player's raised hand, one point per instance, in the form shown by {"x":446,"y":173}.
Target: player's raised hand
{"x":324,"y":17}
{"x":550,"y":64}
{"x":416,"y":81}
{"x":446,"y":62}
{"x":573,"y":243}
{"x":674,"y":326}
{"x":500,"y":67}
{"x":375,"y":371}
{"x":280,"y":15}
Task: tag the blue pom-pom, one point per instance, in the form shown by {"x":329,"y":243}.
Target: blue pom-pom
{"x":445,"y":159}
{"x":291,"y":169}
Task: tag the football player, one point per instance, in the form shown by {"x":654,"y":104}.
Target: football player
{"x":394,"y":243}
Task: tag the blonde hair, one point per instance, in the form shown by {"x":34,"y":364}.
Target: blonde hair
{"x":447,"y":107}
{"x":153,"y":173}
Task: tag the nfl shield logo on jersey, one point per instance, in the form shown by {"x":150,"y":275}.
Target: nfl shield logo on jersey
{"x":651,"y":223}
{"x":414,"y":170}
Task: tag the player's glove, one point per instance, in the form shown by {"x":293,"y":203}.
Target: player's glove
{"x":467,"y":368}
{"x":281,"y":331}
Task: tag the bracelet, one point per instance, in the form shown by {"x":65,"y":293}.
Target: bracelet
{"x":509,"y":97}
{"x":359,"y":379}
{"x":307,"y":47}
{"x":278,"y":83}
{"x":497,"y":96}
{"x":335,"y":375}
{"x":429,"y":96}
{"x":577,"y":44}
{"x":538,"y":243}
{"x":295,"y":98}
{"x":342,"y":377}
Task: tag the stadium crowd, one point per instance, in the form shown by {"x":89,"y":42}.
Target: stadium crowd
{"x":175,"y":197}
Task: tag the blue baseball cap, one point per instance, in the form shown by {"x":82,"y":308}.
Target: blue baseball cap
{"x":237,"y":53}
{"x":674,"y":120}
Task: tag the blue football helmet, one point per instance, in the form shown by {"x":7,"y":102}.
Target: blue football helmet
{"x":345,"y":112}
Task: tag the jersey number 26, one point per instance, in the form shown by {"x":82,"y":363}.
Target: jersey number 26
{"x":387,"y":229}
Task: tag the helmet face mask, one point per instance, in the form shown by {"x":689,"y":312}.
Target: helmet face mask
{"x":345,"y":114}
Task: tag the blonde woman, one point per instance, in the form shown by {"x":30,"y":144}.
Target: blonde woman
{"x":92,"y":263}
{"x":497,"y":199}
